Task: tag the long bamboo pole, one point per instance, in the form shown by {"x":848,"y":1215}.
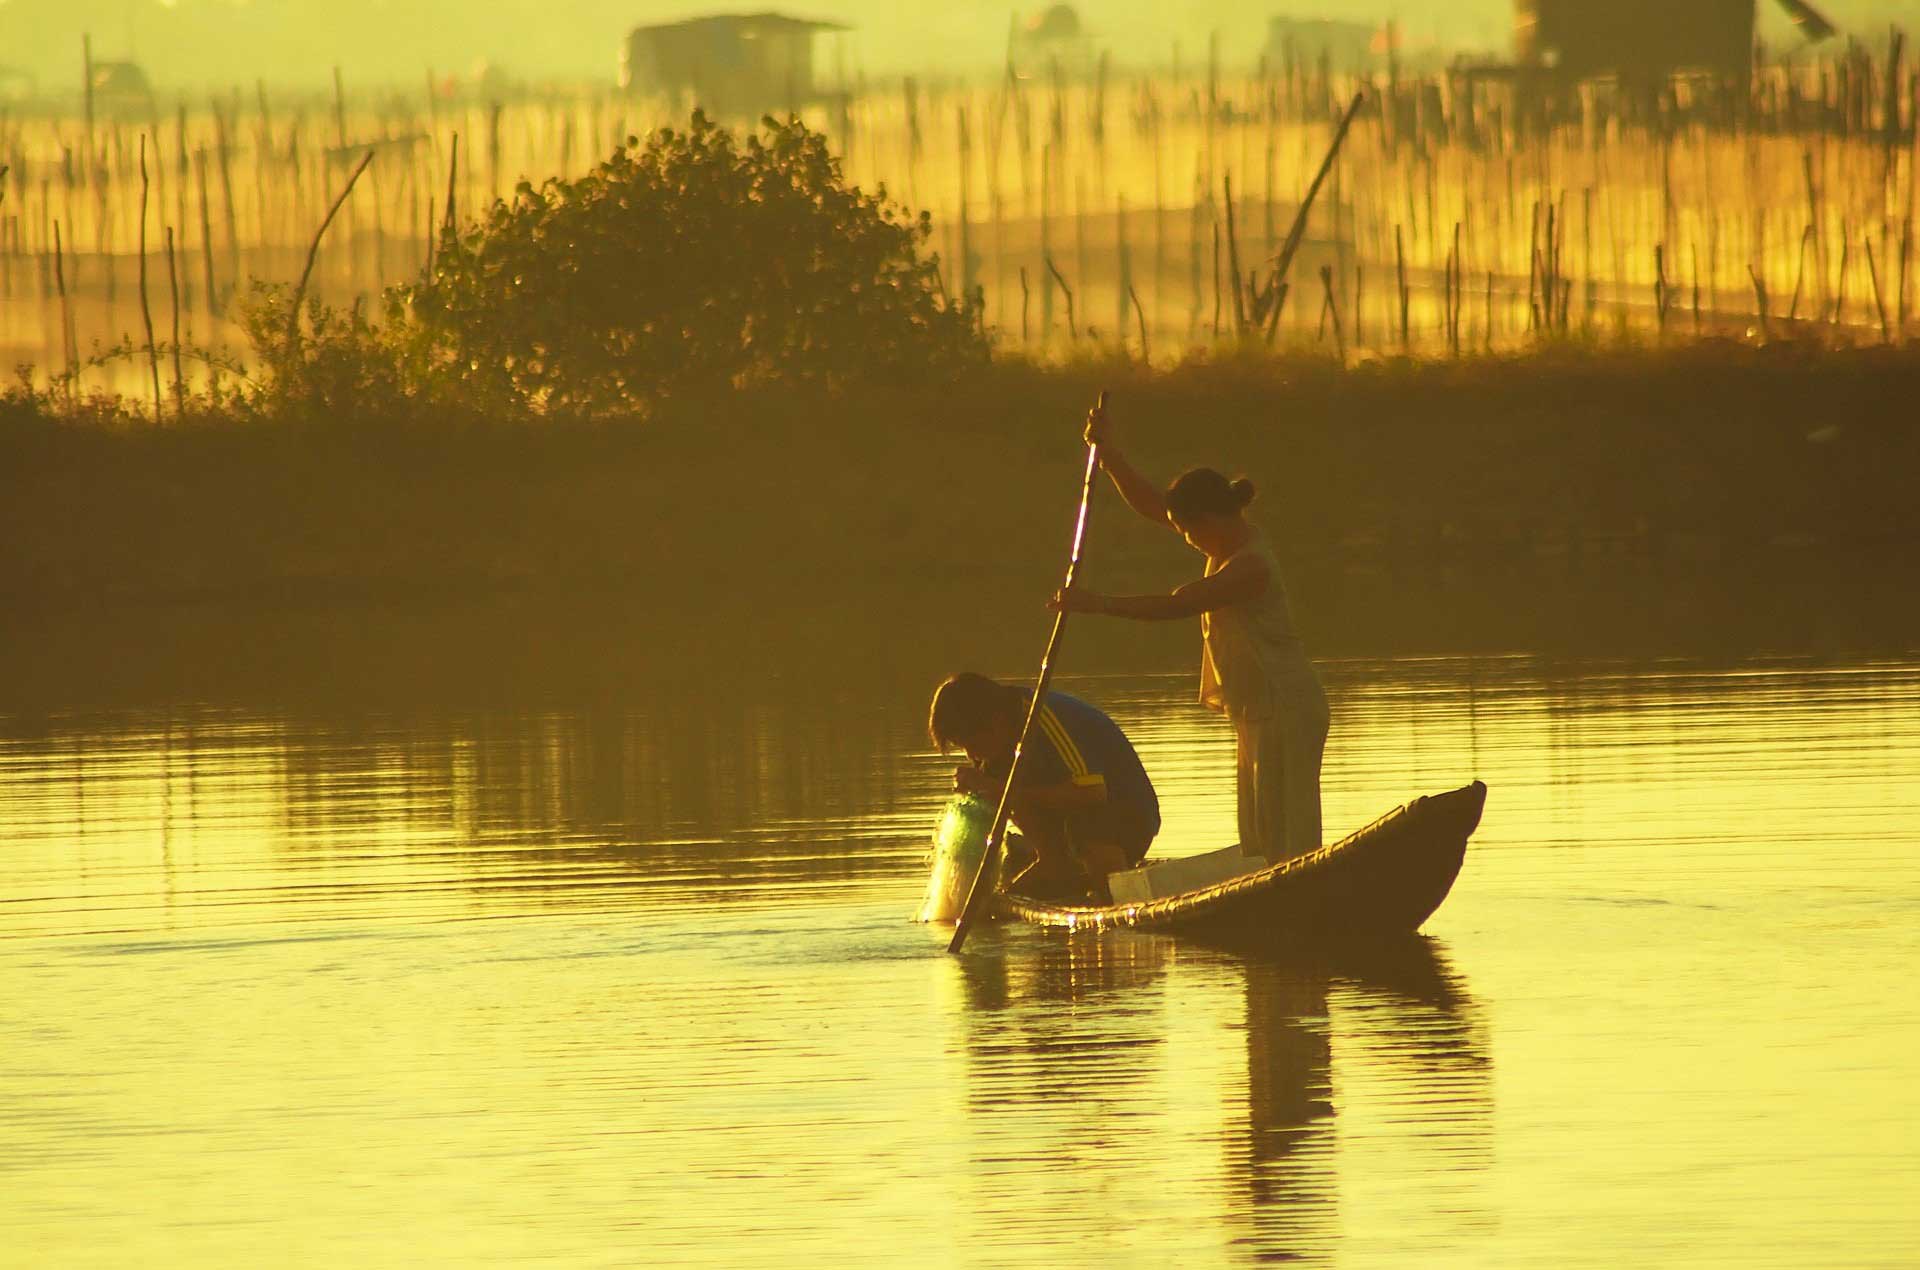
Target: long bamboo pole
{"x":987,"y":877}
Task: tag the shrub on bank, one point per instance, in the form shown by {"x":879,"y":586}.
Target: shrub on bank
{"x":693,"y":261}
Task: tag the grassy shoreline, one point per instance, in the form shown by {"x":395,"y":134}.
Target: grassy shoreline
{"x":1695,"y":453}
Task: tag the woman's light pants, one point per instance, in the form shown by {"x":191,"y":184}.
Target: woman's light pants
{"x":1278,"y":761}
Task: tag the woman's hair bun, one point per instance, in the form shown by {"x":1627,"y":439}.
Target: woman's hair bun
{"x":1205,"y":492}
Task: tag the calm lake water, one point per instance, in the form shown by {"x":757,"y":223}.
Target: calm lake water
{"x":630,"y":980}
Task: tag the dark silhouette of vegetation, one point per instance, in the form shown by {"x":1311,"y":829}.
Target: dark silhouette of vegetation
{"x":696,"y":260}
{"x":1693,"y":453}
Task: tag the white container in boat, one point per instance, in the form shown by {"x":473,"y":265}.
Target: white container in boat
{"x":1158,"y":880}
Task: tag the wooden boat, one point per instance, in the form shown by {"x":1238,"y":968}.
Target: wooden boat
{"x":1385,"y":879}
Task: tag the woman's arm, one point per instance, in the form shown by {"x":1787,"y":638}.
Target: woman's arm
{"x":1242,"y":580}
{"x":1136,"y":490}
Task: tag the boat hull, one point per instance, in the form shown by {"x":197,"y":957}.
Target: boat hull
{"x":1385,"y":879}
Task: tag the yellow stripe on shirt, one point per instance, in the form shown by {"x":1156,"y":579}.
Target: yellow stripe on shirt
{"x":1063,"y":743}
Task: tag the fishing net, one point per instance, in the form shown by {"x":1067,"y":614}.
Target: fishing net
{"x":959,"y":844}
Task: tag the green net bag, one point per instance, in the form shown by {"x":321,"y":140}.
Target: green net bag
{"x":959,"y":844}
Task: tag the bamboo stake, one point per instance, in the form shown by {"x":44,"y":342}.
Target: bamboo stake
{"x":1840,"y":300}
{"x":173,"y":291}
{"x":1046,"y":239}
{"x":1073,"y":330}
{"x":1586,"y":250}
{"x":1486,"y":335}
{"x":1661,"y":292}
{"x":1906,"y":254}
{"x":1359,"y":305}
{"x":313,"y":251}
{"x":146,"y":311}
{"x":1813,"y":226}
{"x":1693,"y":251}
{"x":1879,"y":302}
{"x":1457,"y":270}
{"x":1551,"y":268}
{"x":101,"y":176}
{"x":1233,"y":264}
{"x":453,"y":170}
{"x":1800,"y":274}
{"x":493,"y":151}
{"x":206,"y":224}
{"x":1216,"y":282}
{"x":1533,"y":269}
{"x":1760,"y":303}
{"x":182,"y":175}
{"x":46,"y":236}
{"x":67,"y":341}
{"x":1400,"y":266}
{"x":1024,"y":298}
{"x":224,"y":151}
{"x":1333,"y":309}
{"x":966,"y":239}
{"x":263,"y":147}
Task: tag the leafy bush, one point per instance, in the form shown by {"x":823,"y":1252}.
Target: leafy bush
{"x":694,"y":261}
{"x":341,"y":364}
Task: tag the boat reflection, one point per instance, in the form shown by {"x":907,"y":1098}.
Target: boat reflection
{"x":1345,"y":1052}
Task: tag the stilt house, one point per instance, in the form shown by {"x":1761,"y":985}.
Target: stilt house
{"x":1645,"y":42}
{"x":728,"y":64}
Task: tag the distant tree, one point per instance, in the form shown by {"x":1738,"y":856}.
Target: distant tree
{"x":692,"y":261}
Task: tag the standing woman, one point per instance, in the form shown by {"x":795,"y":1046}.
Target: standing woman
{"x":1253,"y":668}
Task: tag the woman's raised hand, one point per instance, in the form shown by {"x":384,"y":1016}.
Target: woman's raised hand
{"x":1099,"y":430}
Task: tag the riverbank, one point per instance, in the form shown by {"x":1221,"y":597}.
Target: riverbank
{"x":1697,"y":455}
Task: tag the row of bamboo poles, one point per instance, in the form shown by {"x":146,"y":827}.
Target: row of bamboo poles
{"x":1129,"y":212}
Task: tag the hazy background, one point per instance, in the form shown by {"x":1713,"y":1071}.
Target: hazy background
{"x":193,"y":43}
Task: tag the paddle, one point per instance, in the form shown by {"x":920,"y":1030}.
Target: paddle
{"x":996,"y":835}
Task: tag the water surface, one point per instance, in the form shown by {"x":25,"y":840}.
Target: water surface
{"x":630,"y":981}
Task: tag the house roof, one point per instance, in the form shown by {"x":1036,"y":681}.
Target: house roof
{"x":744,"y":24}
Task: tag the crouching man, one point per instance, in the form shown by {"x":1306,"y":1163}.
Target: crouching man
{"x":1083,"y":803}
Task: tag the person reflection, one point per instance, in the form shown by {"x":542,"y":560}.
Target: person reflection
{"x":1283,"y":1160}
{"x":1403,"y":1021}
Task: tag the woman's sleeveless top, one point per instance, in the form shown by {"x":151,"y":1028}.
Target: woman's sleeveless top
{"x":1252,"y":664}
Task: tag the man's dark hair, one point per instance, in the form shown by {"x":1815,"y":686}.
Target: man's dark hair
{"x":963,"y":707}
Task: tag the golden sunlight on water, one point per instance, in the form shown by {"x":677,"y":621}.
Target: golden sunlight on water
{"x":634,"y":985}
